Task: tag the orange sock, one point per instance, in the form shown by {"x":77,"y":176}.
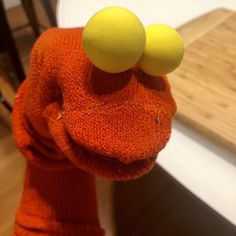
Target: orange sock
{"x":58,"y":203}
{"x":70,"y":117}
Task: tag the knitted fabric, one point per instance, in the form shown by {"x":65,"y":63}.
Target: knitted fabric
{"x":70,"y":114}
{"x":57,"y":204}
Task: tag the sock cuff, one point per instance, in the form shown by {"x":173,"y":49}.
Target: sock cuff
{"x":58,"y":203}
{"x":27,"y":225}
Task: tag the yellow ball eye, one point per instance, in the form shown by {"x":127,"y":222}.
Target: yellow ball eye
{"x":114,"y":39}
{"x":163,"y":51}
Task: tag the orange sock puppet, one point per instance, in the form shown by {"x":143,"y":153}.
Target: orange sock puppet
{"x":72,"y":121}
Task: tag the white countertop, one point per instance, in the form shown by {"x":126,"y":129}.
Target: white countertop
{"x":207,"y":170}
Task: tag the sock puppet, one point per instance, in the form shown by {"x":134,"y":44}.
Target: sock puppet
{"x":74,"y":118}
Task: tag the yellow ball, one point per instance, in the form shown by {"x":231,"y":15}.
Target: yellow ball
{"x":163,"y":51}
{"x":114,"y":39}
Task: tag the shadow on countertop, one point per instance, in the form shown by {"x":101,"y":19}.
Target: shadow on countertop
{"x":157,"y":205}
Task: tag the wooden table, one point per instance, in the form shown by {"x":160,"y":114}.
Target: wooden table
{"x":204,"y":86}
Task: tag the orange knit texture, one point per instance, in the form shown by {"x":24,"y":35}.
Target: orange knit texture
{"x":70,"y":114}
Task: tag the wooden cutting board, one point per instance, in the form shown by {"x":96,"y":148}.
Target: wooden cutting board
{"x":204,"y":86}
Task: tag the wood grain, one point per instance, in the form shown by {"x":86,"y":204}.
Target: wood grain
{"x":11,"y":179}
{"x":204,"y":86}
{"x":195,"y":28}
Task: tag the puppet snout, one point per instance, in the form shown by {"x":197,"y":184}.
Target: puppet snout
{"x":125,"y":132}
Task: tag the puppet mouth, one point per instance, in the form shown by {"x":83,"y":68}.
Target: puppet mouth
{"x":110,"y":167}
{"x":123,"y":133}
{"x":119,"y":142}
